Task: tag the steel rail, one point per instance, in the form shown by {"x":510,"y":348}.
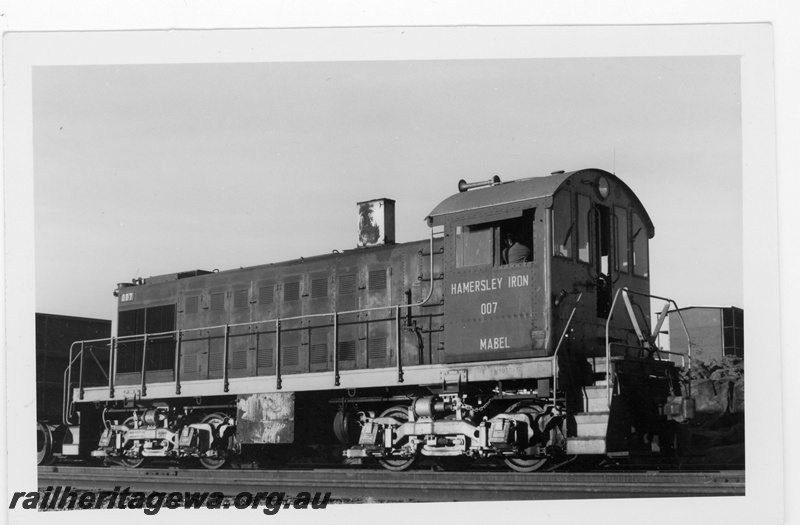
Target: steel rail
{"x":421,"y":485}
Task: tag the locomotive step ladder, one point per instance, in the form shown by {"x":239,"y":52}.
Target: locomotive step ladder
{"x":598,"y":399}
{"x":599,"y":367}
{"x":592,"y":423}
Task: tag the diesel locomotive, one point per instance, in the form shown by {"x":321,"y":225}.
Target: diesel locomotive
{"x":521,"y":330}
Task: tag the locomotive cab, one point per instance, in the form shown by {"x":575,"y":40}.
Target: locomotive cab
{"x":599,"y":239}
{"x":587,"y":234}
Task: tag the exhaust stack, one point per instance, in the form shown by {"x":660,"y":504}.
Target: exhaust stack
{"x":375,"y":222}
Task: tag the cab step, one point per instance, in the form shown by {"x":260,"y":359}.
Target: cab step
{"x":595,"y":399}
{"x":586,"y":445}
{"x":593,"y":424}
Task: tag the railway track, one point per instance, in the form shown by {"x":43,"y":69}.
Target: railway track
{"x":378,"y":485}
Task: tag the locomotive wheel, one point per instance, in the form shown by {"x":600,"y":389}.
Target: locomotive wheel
{"x":525,"y":465}
{"x":347,"y":427}
{"x":218,"y":462}
{"x":398,"y":464}
{"x":44,"y":445}
{"x":522,"y":463}
{"x":131,"y":462}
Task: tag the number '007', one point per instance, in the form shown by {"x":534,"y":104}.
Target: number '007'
{"x":488,"y":308}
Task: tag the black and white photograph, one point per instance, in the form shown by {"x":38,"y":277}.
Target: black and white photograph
{"x":375,"y":273}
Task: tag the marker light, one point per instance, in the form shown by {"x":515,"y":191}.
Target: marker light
{"x":602,"y":187}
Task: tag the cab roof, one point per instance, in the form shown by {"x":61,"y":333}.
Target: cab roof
{"x":521,"y":190}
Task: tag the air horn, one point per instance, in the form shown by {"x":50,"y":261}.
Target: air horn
{"x":464,"y":185}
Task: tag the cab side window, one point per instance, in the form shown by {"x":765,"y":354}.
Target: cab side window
{"x":584,"y":209}
{"x":474,"y":245}
{"x":621,"y":221}
{"x":639,"y":245}
{"x":496,"y":243}
{"x":562,"y":224}
{"x":516,"y":239}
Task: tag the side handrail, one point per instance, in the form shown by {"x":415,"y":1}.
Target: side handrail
{"x":178,"y":334}
{"x":558,"y":347}
{"x":625,"y":293}
{"x":67,"y":397}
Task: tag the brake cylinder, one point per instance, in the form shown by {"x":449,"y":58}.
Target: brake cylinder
{"x":153,"y":417}
{"x":430,"y":407}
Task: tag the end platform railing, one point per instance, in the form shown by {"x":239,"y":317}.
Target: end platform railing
{"x":647,"y":342}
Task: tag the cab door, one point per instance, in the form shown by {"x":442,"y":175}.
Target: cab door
{"x":594,"y":239}
{"x":600,"y":221}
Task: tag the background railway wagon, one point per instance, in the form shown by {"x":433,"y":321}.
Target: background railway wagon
{"x":54,"y":335}
{"x":716,"y":331}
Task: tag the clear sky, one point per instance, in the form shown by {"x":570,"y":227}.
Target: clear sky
{"x":141,"y":170}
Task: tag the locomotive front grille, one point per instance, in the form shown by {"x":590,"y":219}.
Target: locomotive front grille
{"x":192,"y":304}
{"x":190,"y":363}
{"x":291,"y":291}
{"x":266,"y":294}
{"x":319,"y":288}
{"x":377,"y":280}
{"x":215,"y":361}
{"x":319,"y":353}
{"x":240,"y":299}
{"x":347,"y":351}
{"x":377,"y":348}
{"x":347,"y":284}
{"x":264,"y":358}
{"x":290,"y":356}
{"x":217,"y":301}
{"x":239,"y":359}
